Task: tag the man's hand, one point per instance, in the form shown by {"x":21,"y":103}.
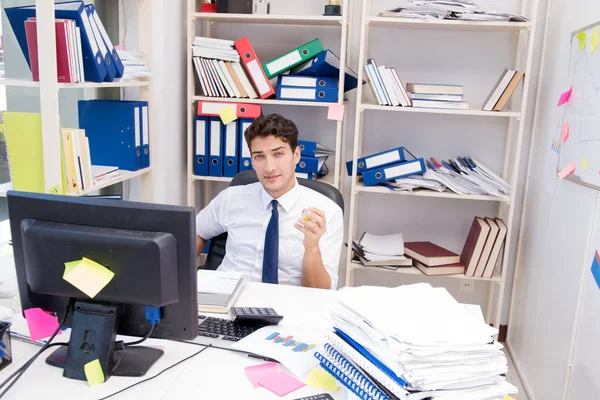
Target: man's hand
{"x":313,"y":226}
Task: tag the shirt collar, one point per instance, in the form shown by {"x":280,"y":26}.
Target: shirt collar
{"x":286,"y":201}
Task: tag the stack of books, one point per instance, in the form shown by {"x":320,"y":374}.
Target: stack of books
{"x":432,"y":259}
{"x":386,"y":86}
{"x":134,"y":67}
{"x":381,"y":250}
{"x":503,"y":90}
{"x":313,"y":156}
{"x":386,"y":166}
{"x":437,"y":96}
{"x":305,"y":73}
{"x":412,"y":342}
{"x":481,"y":251}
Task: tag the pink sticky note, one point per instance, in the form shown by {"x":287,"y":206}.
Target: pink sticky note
{"x":569,"y":169}
{"x":257,"y":372}
{"x":565,"y":97}
{"x":41,"y":324}
{"x":281,"y":383}
{"x":336,"y":112}
{"x":566,"y":132}
{"x":119,"y":47}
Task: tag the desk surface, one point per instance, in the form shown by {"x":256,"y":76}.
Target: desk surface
{"x":213,"y":374}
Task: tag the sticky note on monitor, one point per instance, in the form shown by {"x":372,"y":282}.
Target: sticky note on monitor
{"x":87,"y":276}
{"x":93,"y":372}
{"x":227,"y":114}
{"x":582,"y":37}
{"x":40,"y":323}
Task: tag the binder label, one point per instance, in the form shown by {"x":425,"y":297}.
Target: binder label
{"x":90,"y":34}
{"x":259,"y":78}
{"x":200,"y":138}
{"x":137,"y":127}
{"x":381,"y":159}
{"x":145,"y":135}
{"x":215,"y":138}
{"x":299,"y":81}
{"x":230,"y":142}
{"x":399,"y":170}
{"x":284,"y":62}
{"x":297,"y":93}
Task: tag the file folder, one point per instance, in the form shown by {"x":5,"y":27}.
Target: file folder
{"x":145,"y":135}
{"x":245,"y":161}
{"x":307,"y":81}
{"x":112,"y":60}
{"x":394,"y":171}
{"x":311,"y":164}
{"x":242,"y":110}
{"x":376,"y":160}
{"x":326,"y":95}
{"x":111,"y":71}
{"x":255,"y":70}
{"x":93,"y":61}
{"x":215,"y":155}
{"x":292,"y":58}
{"x":113,"y":130}
{"x":313,"y":149}
{"x":327,"y":64}
{"x":230,"y":134}
{"x":201,"y":144}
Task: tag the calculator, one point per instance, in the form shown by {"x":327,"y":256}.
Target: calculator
{"x":322,"y":396}
{"x":256,"y":315}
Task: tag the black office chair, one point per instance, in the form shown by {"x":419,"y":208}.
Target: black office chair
{"x":216,"y":250}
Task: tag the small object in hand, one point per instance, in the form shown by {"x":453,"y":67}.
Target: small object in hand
{"x":333,"y":8}
{"x":262,"y":7}
{"x":208,"y":6}
{"x":305,"y":213}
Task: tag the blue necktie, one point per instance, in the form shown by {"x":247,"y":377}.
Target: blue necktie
{"x":271,"y":255}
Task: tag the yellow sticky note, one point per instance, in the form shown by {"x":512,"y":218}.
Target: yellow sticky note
{"x":54,"y":190}
{"x":87,"y":276}
{"x":507,"y":397}
{"x":93,"y":372}
{"x":227,"y":114}
{"x":582,"y":37}
{"x":320,"y":378}
{"x":594,"y":40}
{"x":584,"y":163}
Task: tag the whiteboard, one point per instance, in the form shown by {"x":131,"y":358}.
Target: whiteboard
{"x":582,"y":112}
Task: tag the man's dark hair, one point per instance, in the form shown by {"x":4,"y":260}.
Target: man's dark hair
{"x":273,"y":125}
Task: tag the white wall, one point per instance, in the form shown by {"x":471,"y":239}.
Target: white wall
{"x":554,"y":256}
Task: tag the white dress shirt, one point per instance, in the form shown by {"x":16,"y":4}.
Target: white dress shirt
{"x":244,"y":213}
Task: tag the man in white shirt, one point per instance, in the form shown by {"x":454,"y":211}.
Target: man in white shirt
{"x":268,"y":238}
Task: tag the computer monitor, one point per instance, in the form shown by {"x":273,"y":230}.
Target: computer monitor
{"x":149,"y":247}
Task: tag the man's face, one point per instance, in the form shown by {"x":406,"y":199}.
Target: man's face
{"x":274,"y":163}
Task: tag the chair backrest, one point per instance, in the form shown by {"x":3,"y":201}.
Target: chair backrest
{"x":216,"y":250}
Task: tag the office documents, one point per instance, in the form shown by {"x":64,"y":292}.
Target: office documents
{"x":201,"y":143}
{"x":217,"y":291}
{"x":436,"y":349}
{"x":292,"y":58}
{"x":253,"y":67}
{"x":326,"y":64}
{"x":313,"y":149}
{"x":381,"y":250}
{"x":379,"y":175}
{"x":114,"y":131}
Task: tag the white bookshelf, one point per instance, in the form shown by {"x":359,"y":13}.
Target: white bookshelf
{"x":49,"y":88}
{"x":512,"y":155}
{"x":334,"y":177}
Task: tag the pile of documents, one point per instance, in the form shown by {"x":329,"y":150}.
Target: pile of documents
{"x":461,"y":175}
{"x":386,"y":86}
{"x":418,"y":343}
{"x":437,"y":96}
{"x":448,"y":9}
{"x":134,"y":68}
{"x":312,"y":160}
{"x":381,"y":250}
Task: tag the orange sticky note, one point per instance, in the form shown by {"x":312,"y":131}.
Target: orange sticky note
{"x":566,"y":132}
{"x":594,"y":40}
{"x":40,"y":323}
{"x":565,"y":97}
{"x":87,"y":276}
{"x":227,"y":114}
{"x":582,"y":37}
{"x":336,"y":112}
{"x":568,"y":170}
{"x":93,"y":372}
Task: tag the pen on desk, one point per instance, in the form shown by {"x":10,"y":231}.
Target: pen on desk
{"x":261,"y":357}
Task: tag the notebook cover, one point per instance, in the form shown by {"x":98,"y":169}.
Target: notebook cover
{"x":430,"y":254}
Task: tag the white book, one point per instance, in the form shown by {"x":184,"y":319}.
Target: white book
{"x":217,"y":290}
{"x":230,"y":80}
{"x":389,"y":85}
{"x":214,"y":42}
{"x":239,"y":71}
{"x":379,"y":81}
{"x":497,"y":91}
{"x":405,"y":96}
{"x":223,"y":78}
{"x":80,"y":69}
{"x":199,"y":75}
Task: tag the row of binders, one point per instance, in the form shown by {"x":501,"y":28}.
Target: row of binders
{"x":220,"y":149}
{"x":232,"y":69}
{"x":84,"y":50}
{"x":386,"y":166}
{"x":412,"y":342}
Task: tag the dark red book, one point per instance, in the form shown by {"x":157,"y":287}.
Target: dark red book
{"x":62,"y":53}
{"x":473,"y":247}
{"x":430,"y":254}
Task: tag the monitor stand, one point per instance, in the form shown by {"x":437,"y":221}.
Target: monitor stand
{"x":93,"y":335}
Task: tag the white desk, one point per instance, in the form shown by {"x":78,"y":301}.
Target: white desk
{"x":213,"y":374}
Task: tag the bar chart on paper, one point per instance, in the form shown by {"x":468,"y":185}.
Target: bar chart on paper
{"x":289,"y":341}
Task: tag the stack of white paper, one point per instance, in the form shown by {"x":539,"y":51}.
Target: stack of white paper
{"x":427,"y":339}
{"x":382,"y":247}
{"x":134,"y":66}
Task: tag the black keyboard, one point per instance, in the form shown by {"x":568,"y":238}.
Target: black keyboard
{"x":218,"y":328}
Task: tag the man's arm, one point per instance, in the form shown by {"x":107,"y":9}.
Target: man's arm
{"x":314,"y":273}
{"x":209,"y":221}
{"x":200,"y":245}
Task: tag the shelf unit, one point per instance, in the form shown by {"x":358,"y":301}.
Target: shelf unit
{"x":334,"y":177}
{"x":49,"y":88}
{"x":505,"y":203}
